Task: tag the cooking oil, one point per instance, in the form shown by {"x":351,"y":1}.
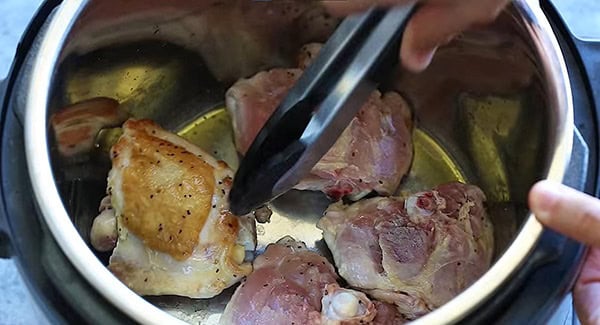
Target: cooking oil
{"x":432,"y":165}
{"x":297,"y":212}
{"x":213,"y":133}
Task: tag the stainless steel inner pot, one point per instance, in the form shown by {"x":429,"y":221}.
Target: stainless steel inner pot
{"x":493,"y":109}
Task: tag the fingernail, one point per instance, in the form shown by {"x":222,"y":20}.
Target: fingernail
{"x":544,"y":196}
{"x":420,"y":60}
{"x":427,"y":58}
{"x":448,"y":39}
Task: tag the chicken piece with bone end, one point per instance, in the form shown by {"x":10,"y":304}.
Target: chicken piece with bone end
{"x":416,"y":253}
{"x":342,"y":306}
{"x":76,"y":126}
{"x":346,"y":306}
{"x":103,"y":235}
{"x":175,"y":233}
{"x":372,"y":154}
{"x":292,"y":285}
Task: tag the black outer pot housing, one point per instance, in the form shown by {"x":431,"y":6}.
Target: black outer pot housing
{"x":537,"y":288}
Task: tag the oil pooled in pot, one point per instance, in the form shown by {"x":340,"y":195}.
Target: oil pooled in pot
{"x":297,"y":212}
{"x":213,"y":133}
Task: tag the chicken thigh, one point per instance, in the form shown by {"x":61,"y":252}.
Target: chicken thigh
{"x":175,"y":233}
{"x":416,"y":253}
{"x":286,"y":287}
{"x":292,"y":285}
{"x":76,"y":126}
{"x":346,"y":306}
{"x":372,"y":154}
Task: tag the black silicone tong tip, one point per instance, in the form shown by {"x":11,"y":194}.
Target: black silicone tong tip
{"x":359,"y":55}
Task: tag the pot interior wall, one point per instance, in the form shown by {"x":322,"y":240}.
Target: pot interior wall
{"x":481,"y":99}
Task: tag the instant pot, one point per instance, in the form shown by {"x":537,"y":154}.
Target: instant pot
{"x":542,"y":82}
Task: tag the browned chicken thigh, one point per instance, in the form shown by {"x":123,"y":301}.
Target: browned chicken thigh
{"x":174,"y":233}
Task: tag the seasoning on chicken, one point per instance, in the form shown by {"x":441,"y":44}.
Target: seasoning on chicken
{"x":387,"y":314}
{"x":252,"y":101}
{"x":373,"y":153}
{"x":292,"y":285}
{"x":76,"y":126}
{"x":416,"y":253}
{"x":175,"y":233}
{"x":307,"y":54}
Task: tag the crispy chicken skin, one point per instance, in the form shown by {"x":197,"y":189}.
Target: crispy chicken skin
{"x":175,"y":233}
{"x":416,"y":253}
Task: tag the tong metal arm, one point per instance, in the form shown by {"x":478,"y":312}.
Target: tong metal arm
{"x":355,"y":60}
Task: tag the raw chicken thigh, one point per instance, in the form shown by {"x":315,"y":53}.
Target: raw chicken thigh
{"x":286,"y":287}
{"x":416,"y":253}
{"x":175,"y":233}
{"x":252,"y":101}
{"x":387,"y":314}
{"x":292,"y":285}
{"x":373,"y":153}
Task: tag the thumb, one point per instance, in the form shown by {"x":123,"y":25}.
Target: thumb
{"x":576,"y":215}
{"x":567,"y":211}
{"x":586,"y":294}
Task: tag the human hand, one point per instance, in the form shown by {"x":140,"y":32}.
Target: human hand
{"x":435,"y":23}
{"x":576,"y":215}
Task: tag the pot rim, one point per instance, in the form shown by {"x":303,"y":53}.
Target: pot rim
{"x":62,"y":228}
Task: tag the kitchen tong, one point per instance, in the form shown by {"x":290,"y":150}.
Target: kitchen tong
{"x":360,"y":54}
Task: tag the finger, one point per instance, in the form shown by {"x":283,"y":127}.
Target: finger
{"x":437,"y":23}
{"x":423,"y":32}
{"x":568,"y":211}
{"x":345,"y":7}
{"x":586,"y":294}
{"x":429,"y":27}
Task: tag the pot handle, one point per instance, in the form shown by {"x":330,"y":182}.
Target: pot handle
{"x":25,"y":43}
{"x":5,"y":246}
{"x":585,"y":63}
{"x":554,"y":260}
{"x":576,"y":177}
